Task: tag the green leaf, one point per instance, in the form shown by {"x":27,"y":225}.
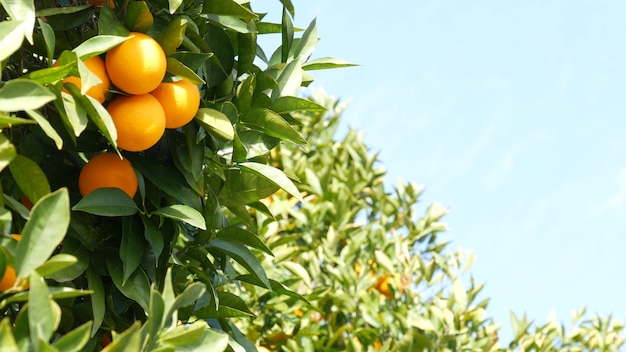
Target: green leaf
{"x":247,"y":48}
{"x":137,"y":287}
{"x":272,"y":124}
{"x":276,"y":287}
{"x":71,"y":248}
{"x":220,"y":65}
{"x":107,"y":202}
{"x":273,"y":175}
{"x":153,"y":236}
{"x":42,"y":233}
{"x":234,"y":233}
{"x":76,"y":114}
{"x":74,"y":340}
{"x":228,"y":8}
{"x":230,"y":305}
{"x":55,"y":293}
{"x":97,"y":45}
{"x":172,"y":35}
{"x":131,"y":246}
{"x":243,"y":256}
{"x":109,"y":24}
{"x":138,"y":17}
{"x":56,"y":263}
{"x":177,"y":68}
{"x":7,"y":341}
{"x":183,"y":213}
{"x":307,"y":43}
{"x":174,"y":5}
{"x":287,"y":104}
{"x":166,"y":178}
{"x":326,"y":63}
{"x":11,"y":38}
{"x":46,"y":127}
{"x":191,"y":294}
{"x":29,"y":177}
{"x":43,"y":314}
{"x":97,"y":299}
{"x":7,"y":152}
{"x":23,"y":12}
{"x":10,"y":121}
{"x":289,"y":80}
{"x":287,"y":35}
{"x":216,"y":124}
{"x":127,"y":341}
{"x":66,"y":10}
{"x":97,"y":113}
{"x":23,"y":94}
{"x":48,"y":36}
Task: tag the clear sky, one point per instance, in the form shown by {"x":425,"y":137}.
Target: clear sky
{"x":513,"y":113}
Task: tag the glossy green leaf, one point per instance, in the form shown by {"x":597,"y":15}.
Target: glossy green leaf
{"x":29,"y":177}
{"x":43,"y":313}
{"x":137,"y":287}
{"x":273,"y":175}
{"x":216,"y":123}
{"x":107,"y":202}
{"x":98,"y":308}
{"x":128,"y":341}
{"x":11,"y":38}
{"x":74,"y":340}
{"x":177,"y":68}
{"x":182,"y":213}
{"x":56,"y":263}
{"x":287,"y":35}
{"x":7,"y":152}
{"x":324,"y":63}
{"x":23,"y":94}
{"x":289,"y":80}
{"x":97,"y":113}
{"x":49,"y":38}
{"x":109,"y":24}
{"x":174,"y":5}
{"x":272,"y":124}
{"x":153,"y":236}
{"x":228,"y":8}
{"x":97,"y":45}
{"x":287,"y":104}
{"x":42,"y":233}
{"x":132,"y":245}
{"x":172,"y":35}
{"x":230,"y":305}
{"x":276,"y":287}
{"x":243,"y":256}
{"x":7,"y":120}
{"x":46,"y":127}
{"x":7,"y":341}
{"x":138,"y":17}
{"x":234,"y":233}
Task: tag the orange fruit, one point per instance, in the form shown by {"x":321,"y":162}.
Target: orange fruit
{"x":100,"y":3}
{"x":8,"y":279}
{"x":97,"y":67}
{"x":180,"y":100}
{"x":137,"y":66}
{"x":108,"y":170}
{"x":139,"y":120}
{"x":383,"y":285}
{"x":105,"y":340}
{"x":16,"y":236}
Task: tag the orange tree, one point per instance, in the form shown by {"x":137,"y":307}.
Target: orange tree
{"x":377,"y":275}
{"x":144,"y":258}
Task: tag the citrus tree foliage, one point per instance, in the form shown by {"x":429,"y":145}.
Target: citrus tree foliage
{"x":152,"y":272}
{"x":375,"y":274}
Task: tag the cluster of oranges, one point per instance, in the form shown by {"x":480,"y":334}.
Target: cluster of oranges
{"x":136,"y":67}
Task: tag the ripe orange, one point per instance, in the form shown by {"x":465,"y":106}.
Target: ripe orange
{"x":105,"y":340}
{"x":180,"y":100}
{"x":97,"y":67}
{"x":383,"y":285}
{"x":108,"y":170}
{"x":8,"y":279}
{"x":16,"y":236}
{"x":26,"y":203}
{"x":137,"y":66}
{"x":139,"y":120}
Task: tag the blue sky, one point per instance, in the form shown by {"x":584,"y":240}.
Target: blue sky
{"x":511,"y":113}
